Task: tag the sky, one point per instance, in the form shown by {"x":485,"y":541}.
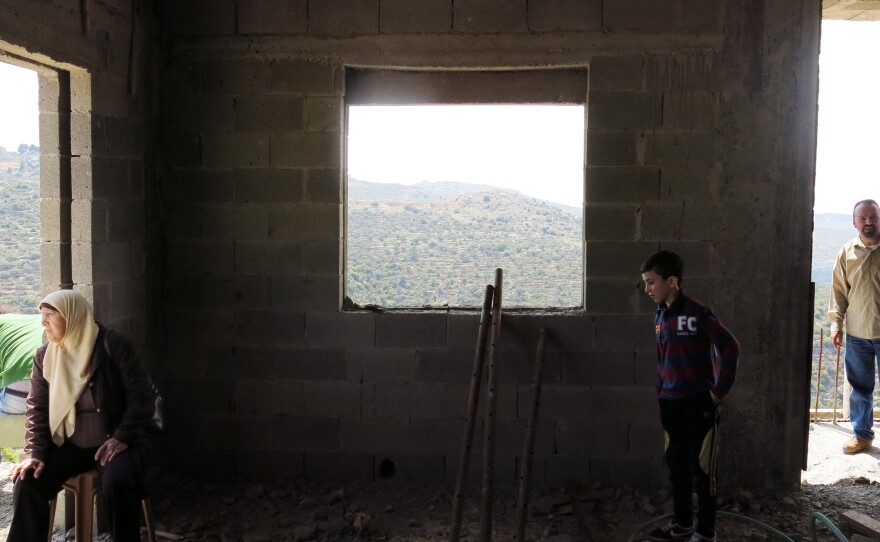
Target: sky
{"x":19,"y":109}
{"x":512,"y":146}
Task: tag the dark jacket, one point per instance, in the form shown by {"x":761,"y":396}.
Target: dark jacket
{"x":123,"y":394}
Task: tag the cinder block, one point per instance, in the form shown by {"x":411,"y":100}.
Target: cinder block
{"x":560,"y":403}
{"x":620,"y":185}
{"x":510,"y":436}
{"x":239,"y":291}
{"x":184,"y":328}
{"x":306,"y":77}
{"x":591,"y":439}
{"x":268,"y":258}
{"x":183,"y":221}
{"x":235,"y":149}
{"x":306,"y":149}
{"x":125,"y":137}
{"x":235,"y":76}
{"x":647,"y":438}
{"x":442,"y":436}
{"x":324,"y":185}
{"x":598,"y":368}
{"x":615,"y":259}
{"x":612,"y":148}
{"x":554,"y":15}
{"x":194,"y":113}
{"x":269,"y":112}
{"x":344,"y":18}
{"x":690,"y":184}
{"x":504,"y":472}
{"x":306,"y":222}
{"x":646,"y":367}
{"x":698,"y":255}
{"x":610,"y":222}
{"x":310,"y":364}
{"x":618,"y":73}
{"x":210,"y":463}
{"x":380,"y":364}
{"x":699,"y":16}
{"x":564,"y":332}
{"x":333,"y":399}
{"x":305,"y":433}
{"x":188,"y":257}
{"x":269,"y":464}
{"x":425,"y":468}
{"x":517,"y":367}
{"x":697,"y":148}
{"x":490,"y":16}
{"x":109,"y":96}
{"x":187,"y":150}
{"x":202,"y":17}
{"x":420,"y":400}
{"x":463,"y":330}
{"x":269,"y":185}
{"x":322,"y":293}
{"x":564,"y":470}
{"x":624,"y":404}
{"x":323,"y":114}
{"x":625,"y":332}
{"x":624,"y":110}
{"x":240,"y":432}
{"x":268,"y":397}
{"x":88,"y":221}
{"x":695,"y":110}
{"x":125,"y":220}
{"x":381,"y":436}
{"x":272,"y":17}
{"x":324,"y":258}
{"x":660,"y":16}
{"x":339,"y":467}
{"x":679,"y":220}
{"x":110,"y":179}
{"x":204,"y":395}
{"x":415,"y":16}
{"x":611,"y":295}
{"x":340,"y":329}
{"x":199,"y":185}
{"x":628,"y":471}
{"x":438,"y":365}
{"x":235,"y":221}
{"x":411,"y":330}
{"x":266,"y":327}
{"x":49,"y":131}
{"x":51,"y":214}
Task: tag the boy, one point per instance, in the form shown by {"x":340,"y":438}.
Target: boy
{"x":690,"y":387}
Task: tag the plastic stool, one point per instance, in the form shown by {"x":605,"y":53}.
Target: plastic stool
{"x":85,"y":488}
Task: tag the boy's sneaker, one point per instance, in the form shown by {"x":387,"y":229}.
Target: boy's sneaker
{"x":671,"y":531}
{"x":697,"y":537}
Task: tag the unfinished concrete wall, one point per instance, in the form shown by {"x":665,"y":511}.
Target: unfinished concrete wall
{"x":90,"y":57}
{"x":701,"y":135}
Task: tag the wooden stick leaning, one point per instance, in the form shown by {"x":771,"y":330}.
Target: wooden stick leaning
{"x":491,"y":408}
{"x":471,"y":415}
{"x":819,"y":377}
{"x":836,"y":373}
{"x":529,"y":442}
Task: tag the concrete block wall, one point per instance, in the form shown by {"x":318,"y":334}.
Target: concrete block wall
{"x":90,"y":58}
{"x":252,"y":189}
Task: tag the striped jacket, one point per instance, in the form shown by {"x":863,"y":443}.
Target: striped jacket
{"x":695,"y":352}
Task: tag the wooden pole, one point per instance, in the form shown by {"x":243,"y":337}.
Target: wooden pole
{"x":819,"y":378}
{"x":836,"y":373}
{"x":470,"y":417}
{"x":491,"y":407}
{"x":529,"y":443}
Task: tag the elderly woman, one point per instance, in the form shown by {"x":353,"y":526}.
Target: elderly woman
{"x":89,"y":407}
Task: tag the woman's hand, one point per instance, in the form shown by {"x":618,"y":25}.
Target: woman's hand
{"x":110,"y":449}
{"x":20,"y":468}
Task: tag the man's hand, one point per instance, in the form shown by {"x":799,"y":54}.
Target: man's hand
{"x":837,"y":339}
{"x":110,"y":449}
{"x":20,"y":468}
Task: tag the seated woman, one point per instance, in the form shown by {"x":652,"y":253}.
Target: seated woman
{"x":90,"y":407}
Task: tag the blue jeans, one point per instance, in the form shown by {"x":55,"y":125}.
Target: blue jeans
{"x":861,"y":357}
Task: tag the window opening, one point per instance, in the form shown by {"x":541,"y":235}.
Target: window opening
{"x":19,"y":190}
{"x":441,"y":195}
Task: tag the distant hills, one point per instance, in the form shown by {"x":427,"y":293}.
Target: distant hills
{"x":19,"y":230}
{"x":830,"y":232}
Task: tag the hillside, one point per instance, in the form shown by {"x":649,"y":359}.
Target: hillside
{"x":830,"y":232}
{"x":20,"y":230}
{"x":419,"y":247}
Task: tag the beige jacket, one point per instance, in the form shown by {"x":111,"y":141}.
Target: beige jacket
{"x":855,"y":291}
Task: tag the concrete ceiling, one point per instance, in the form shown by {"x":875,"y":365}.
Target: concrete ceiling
{"x":851,"y":10}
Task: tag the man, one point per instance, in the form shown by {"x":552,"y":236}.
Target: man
{"x":855,"y":297}
{"x":20,"y":336}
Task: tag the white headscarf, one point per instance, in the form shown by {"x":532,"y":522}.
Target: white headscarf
{"x":66,"y":364}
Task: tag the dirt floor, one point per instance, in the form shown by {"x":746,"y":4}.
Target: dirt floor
{"x":280,"y":511}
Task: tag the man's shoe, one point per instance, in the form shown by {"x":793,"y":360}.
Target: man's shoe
{"x":856,"y":445}
{"x":697,"y":537}
{"x":671,"y":531}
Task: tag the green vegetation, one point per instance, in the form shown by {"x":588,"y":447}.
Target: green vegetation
{"x":10,"y":455}
{"x":439,"y":245}
{"x":20,"y":228}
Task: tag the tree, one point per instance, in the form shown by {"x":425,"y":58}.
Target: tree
{"x":22,"y":148}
